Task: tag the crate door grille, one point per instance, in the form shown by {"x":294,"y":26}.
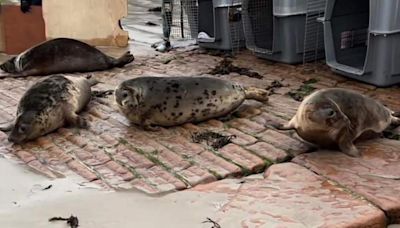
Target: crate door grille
{"x":258,"y":25}
{"x":314,"y":36}
{"x":235,"y":18}
{"x":184,"y":19}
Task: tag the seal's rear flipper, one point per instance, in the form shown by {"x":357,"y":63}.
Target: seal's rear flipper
{"x":123,"y":60}
{"x":256,"y":94}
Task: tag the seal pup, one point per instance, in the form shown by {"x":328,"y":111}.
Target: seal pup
{"x":61,"y":55}
{"x":50,"y":104}
{"x":337,"y":117}
{"x":170,"y":101}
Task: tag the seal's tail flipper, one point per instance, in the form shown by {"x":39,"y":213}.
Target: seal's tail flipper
{"x":125,"y":59}
{"x":256,"y":94}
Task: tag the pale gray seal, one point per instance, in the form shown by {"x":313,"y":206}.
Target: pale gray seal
{"x":335,"y":116}
{"x":171,"y":101}
{"x":61,"y":55}
{"x":50,"y":104}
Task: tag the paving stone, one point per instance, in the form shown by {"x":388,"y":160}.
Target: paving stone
{"x":241,"y":138}
{"x":269,"y":152}
{"x":246,"y":125}
{"x":82,"y":170}
{"x":132,"y":158}
{"x":242,"y":157}
{"x":163,"y":180}
{"x":375,"y":175}
{"x":291,"y":196}
{"x":290,"y":145}
{"x":195,"y":175}
{"x":220,"y":166}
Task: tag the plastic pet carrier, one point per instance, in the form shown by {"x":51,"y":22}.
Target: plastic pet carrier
{"x":220,"y":25}
{"x":362,"y":39}
{"x":283,"y":30}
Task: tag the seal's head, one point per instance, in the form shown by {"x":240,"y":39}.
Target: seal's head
{"x":26,"y":127}
{"x":326,"y":114}
{"x":9,"y":66}
{"x":128,"y":97}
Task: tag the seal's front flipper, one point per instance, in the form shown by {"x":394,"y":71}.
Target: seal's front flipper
{"x":147,"y":126}
{"x":395,"y":121}
{"x":282,"y":127}
{"x":287,"y":126}
{"x":102,"y":93}
{"x":75,"y":120}
{"x":6,"y":126}
{"x":346,"y":146}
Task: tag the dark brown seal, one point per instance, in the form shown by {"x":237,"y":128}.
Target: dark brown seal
{"x":170,"y":101}
{"x":336,"y":116}
{"x":61,"y":55}
{"x":50,"y":104}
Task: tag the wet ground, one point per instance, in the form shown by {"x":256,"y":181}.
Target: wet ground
{"x":297,"y":189}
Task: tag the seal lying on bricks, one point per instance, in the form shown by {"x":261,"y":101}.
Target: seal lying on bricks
{"x":50,"y":104}
{"x":335,"y":116}
{"x":61,"y":55}
{"x":170,"y":101}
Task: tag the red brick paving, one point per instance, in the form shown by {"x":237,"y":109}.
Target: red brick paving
{"x":375,"y":176}
{"x":291,"y":196}
{"x":114,"y":154}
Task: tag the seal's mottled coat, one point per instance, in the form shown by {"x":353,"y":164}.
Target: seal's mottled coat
{"x":170,"y":101}
{"x":339,"y":116}
{"x":50,"y":104}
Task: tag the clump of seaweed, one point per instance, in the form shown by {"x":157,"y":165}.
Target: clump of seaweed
{"x":72,"y":221}
{"x":213,"y":139}
{"x":304,"y":90}
{"x":226,"y":67}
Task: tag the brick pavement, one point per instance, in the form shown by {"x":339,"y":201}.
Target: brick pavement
{"x":291,"y":196}
{"x":115,"y":155}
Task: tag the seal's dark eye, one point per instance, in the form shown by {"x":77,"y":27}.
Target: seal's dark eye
{"x":331,"y":113}
{"x":125,"y":94}
{"x":22,"y":129}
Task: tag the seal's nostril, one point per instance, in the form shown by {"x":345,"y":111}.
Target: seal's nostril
{"x":11,"y":139}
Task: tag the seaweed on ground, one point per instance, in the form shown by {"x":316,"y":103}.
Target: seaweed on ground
{"x":304,"y":90}
{"x":226,"y":67}
{"x":214,"y":223}
{"x":72,"y":221}
{"x":213,"y":139}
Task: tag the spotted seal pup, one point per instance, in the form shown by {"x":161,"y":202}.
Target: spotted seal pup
{"x":336,"y":117}
{"x":61,"y":55}
{"x":50,"y":104}
{"x":171,"y":101}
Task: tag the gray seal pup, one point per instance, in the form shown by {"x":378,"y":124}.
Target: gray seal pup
{"x":337,"y":117}
{"x":61,"y":55}
{"x":169,"y":101}
{"x":50,"y":104}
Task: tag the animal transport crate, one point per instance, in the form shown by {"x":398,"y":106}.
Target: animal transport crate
{"x":183,"y":18}
{"x":284,"y":30}
{"x":220,"y":25}
{"x":362,"y":39}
